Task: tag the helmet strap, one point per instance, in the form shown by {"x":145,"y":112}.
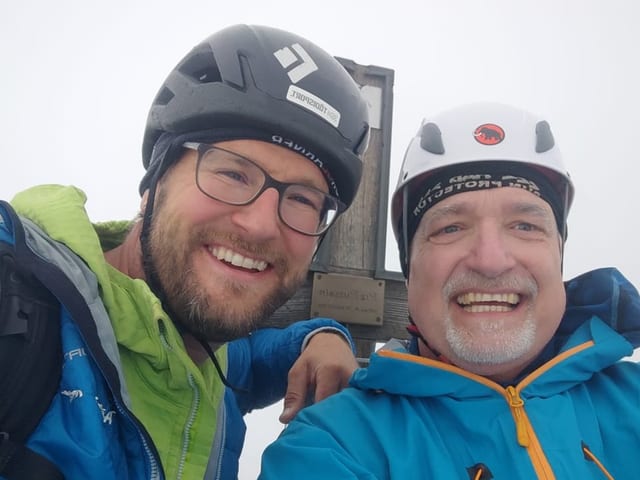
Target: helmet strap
{"x":413,"y":330}
{"x":405,"y":234}
{"x":565,"y":228}
{"x":156,"y":287}
{"x":145,"y":241}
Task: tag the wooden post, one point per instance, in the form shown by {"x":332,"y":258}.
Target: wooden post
{"x":355,"y":245}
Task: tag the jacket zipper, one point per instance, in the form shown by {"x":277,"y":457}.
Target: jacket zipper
{"x":524,"y":432}
{"x":588,"y":454}
{"x":517,"y":407}
{"x":222,"y":424}
{"x":186,"y":434}
{"x":195,"y":404}
{"x":153,"y":463}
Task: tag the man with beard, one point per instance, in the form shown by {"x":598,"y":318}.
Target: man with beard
{"x":244,"y":176}
{"x":509,"y":373}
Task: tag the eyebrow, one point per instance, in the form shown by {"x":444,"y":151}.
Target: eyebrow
{"x":528,"y":208}
{"x":306,"y":180}
{"x":532,"y":209}
{"x":442,"y":211}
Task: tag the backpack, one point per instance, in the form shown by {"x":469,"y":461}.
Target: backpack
{"x":30,"y":358}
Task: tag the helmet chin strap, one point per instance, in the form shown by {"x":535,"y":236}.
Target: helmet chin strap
{"x":145,"y":234}
{"x":413,"y":330}
{"x":156,"y":286}
{"x":565,"y":227}
{"x":405,"y":233}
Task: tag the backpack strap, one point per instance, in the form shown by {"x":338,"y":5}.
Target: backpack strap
{"x":47,"y":270}
{"x":17,"y":462}
{"x":30,"y":356}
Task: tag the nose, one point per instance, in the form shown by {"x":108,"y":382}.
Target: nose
{"x":260,"y":217}
{"x":490,"y":253}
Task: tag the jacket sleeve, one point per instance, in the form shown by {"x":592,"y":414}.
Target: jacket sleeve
{"x":258,"y":364}
{"x":307,"y":450}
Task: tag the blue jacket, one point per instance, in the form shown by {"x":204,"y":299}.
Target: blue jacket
{"x":90,"y":429}
{"x":575,"y":414}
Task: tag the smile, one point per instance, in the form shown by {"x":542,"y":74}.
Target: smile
{"x":237,"y":260}
{"x":474,"y":302}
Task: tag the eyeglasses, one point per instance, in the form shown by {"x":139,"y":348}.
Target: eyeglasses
{"x":233,"y":179}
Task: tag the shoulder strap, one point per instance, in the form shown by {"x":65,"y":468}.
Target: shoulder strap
{"x":30,"y":355}
{"x":17,"y":462}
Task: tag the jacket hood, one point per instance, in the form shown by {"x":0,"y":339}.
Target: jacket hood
{"x":608,"y":295}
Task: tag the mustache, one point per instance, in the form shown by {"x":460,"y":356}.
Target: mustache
{"x":261,"y":250}
{"x":474,"y":281}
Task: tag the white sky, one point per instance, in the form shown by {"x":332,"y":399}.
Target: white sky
{"x":78,"y":78}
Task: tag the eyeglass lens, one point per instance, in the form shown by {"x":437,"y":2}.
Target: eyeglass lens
{"x":230,"y":178}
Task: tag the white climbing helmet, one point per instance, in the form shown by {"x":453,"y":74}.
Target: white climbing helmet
{"x":475,"y":134}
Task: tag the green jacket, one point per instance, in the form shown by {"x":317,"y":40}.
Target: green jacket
{"x":176,"y":400}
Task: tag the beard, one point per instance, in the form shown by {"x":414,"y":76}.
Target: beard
{"x":491,"y":341}
{"x":233,"y":313}
{"x":498,"y":346}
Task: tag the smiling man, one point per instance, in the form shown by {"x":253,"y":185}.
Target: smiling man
{"x":510,"y":373}
{"x":484,"y":267}
{"x":160,"y":315}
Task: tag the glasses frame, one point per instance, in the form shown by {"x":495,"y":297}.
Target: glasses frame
{"x":269,"y":182}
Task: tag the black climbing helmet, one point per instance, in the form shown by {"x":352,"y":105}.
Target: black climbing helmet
{"x":265,"y":80}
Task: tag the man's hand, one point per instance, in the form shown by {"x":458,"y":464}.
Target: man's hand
{"x":324,"y":367}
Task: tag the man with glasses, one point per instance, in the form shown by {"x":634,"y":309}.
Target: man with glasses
{"x":162,"y":351}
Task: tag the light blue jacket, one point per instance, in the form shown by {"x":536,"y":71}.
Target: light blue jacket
{"x":575,"y":414}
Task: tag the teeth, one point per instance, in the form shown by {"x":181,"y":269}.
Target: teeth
{"x":486,"y":308}
{"x":468,"y":299}
{"x":237,"y":260}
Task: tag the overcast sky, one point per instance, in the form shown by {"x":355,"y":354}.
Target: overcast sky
{"x":78,"y":78}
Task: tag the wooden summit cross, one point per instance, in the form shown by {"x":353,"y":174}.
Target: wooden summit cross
{"x":348,"y":280}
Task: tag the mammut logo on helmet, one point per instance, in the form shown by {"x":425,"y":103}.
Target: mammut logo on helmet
{"x":287,"y":57}
{"x":489,"y":134}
